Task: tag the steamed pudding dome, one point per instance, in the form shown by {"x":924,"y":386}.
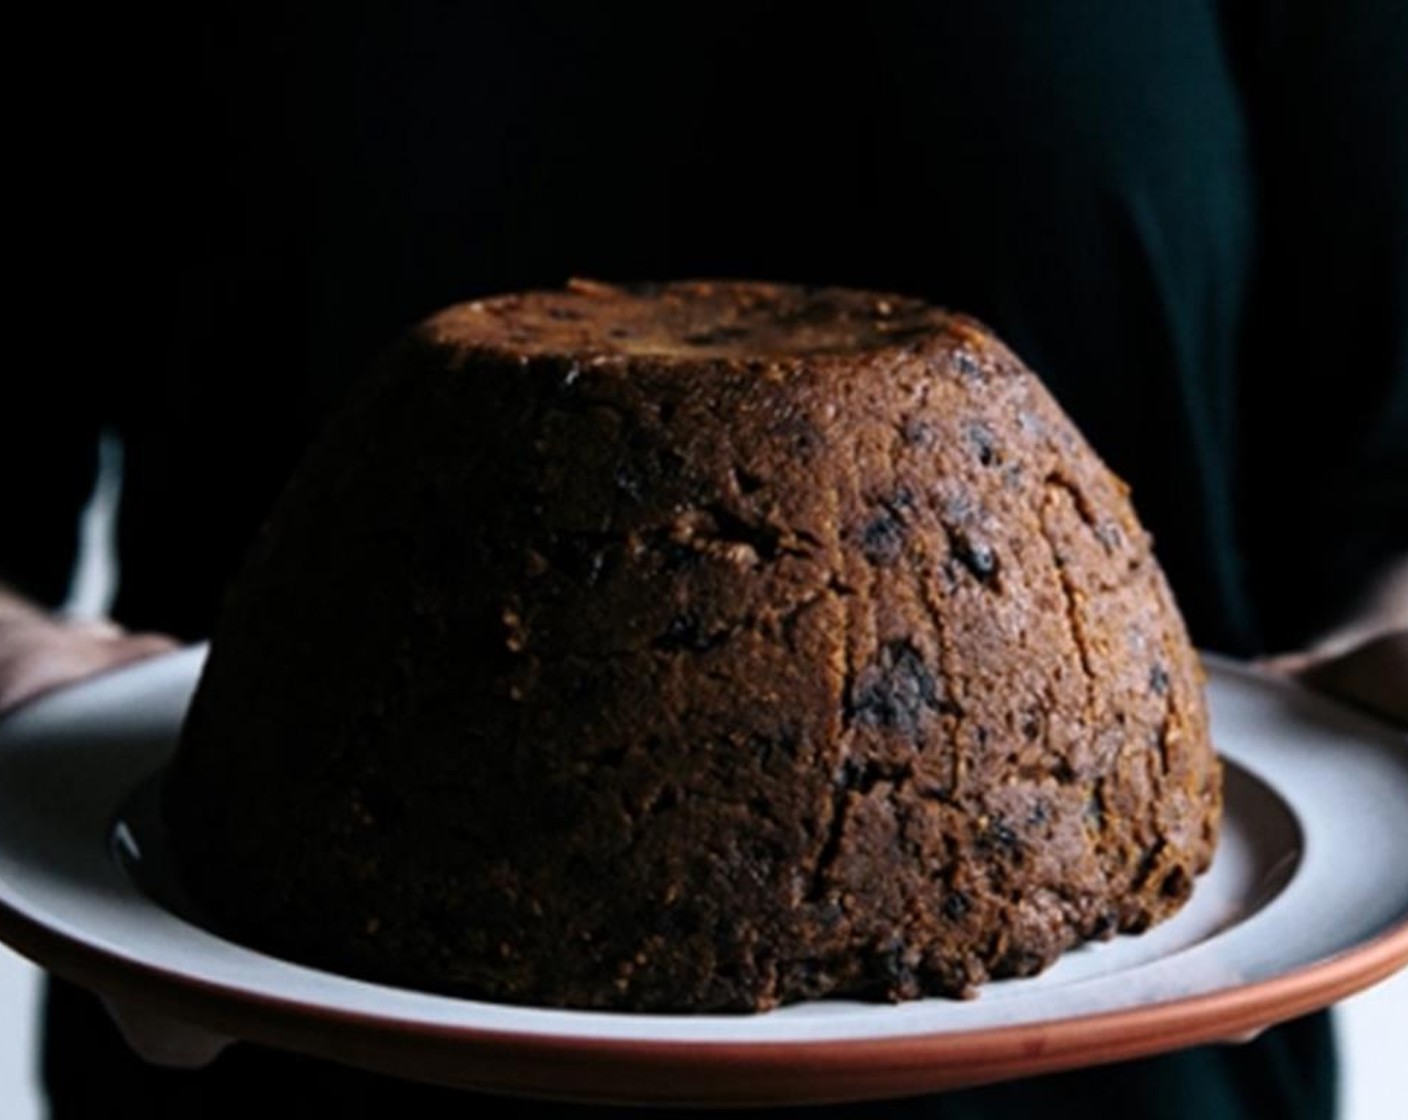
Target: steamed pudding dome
{"x":696,"y":646}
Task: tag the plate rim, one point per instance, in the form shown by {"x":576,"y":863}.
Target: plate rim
{"x":802,"y":1071}
{"x":677,"y":1070}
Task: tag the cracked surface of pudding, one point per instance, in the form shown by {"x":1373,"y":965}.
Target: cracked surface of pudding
{"x":696,"y":646}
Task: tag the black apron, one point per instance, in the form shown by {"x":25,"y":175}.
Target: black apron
{"x":1180,"y":214}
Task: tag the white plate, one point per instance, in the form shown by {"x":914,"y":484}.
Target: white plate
{"x":1306,"y":901}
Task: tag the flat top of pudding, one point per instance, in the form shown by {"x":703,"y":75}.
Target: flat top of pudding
{"x":689,"y":319}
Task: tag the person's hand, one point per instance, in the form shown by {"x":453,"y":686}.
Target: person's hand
{"x":1372,"y":675}
{"x":39,"y":653}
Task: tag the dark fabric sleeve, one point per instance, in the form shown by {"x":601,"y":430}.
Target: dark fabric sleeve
{"x":1326,"y":408}
{"x":48,"y":459}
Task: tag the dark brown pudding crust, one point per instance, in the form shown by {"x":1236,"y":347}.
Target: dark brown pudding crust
{"x":697,"y":646}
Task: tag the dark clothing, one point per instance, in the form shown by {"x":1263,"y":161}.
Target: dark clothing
{"x":1190,"y":218}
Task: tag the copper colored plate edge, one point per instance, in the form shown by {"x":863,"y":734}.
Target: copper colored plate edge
{"x":606,"y":1070}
